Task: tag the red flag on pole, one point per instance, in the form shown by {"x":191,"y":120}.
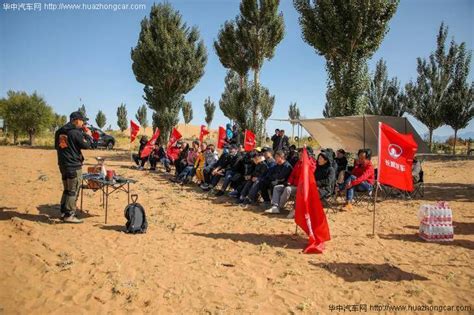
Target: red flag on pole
{"x":150,"y":144}
{"x":396,"y":153}
{"x":134,"y":128}
{"x":204,"y":132}
{"x":249,"y":140}
{"x":175,"y":136}
{"x":309,"y":212}
{"x":221,"y":138}
{"x":170,"y":150}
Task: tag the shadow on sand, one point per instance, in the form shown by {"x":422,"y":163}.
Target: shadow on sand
{"x":282,"y":240}
{"x":416,"y":239}
{"x":352,"y":272}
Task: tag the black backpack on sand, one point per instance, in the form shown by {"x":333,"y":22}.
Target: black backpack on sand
{"x":136,"y":218}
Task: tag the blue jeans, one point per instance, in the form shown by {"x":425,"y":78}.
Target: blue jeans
{"x":254,"y":189}
{"x":166,"y":162}
{"x":364,"y":186}
{"x":188,"y":171}
{"x":227,"y":177}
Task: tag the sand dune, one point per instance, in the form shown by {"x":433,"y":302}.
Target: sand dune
{"x":204,"y":255}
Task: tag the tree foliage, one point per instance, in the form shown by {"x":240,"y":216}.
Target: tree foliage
{"x":346,"y":34}
{"x":187,"y":112}
{"x":209,"y":108}
{"x":231,"y":51}
{"x":457,"y":109}
{"x":82,"y":110}
{"x":58,"y":121}
{"x":122,"y":120}
{"x":293,"y":114}
{"x":245,"y":43}
{"x":430,"y":90}
{"x":261,"y":28}
{"x":169,"y":59}
{"x":24,"y":113}
{"x":235,"y":100}
{"x":141,"y":116}
{"x":100,"y":119}
{"x":384,"y":96}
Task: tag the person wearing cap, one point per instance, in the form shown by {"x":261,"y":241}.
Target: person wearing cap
{"x":69,"y":140}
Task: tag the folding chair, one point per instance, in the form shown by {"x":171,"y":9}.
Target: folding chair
{"x":419,"y":189}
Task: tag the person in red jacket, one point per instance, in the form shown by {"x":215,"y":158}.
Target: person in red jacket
{"x":362,"y":177}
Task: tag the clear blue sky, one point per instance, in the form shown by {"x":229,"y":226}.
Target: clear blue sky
{"x":68,"y":55}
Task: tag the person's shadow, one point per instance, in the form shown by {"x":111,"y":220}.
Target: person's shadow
{"x":48,"y":213}
{"x":7,"y":213}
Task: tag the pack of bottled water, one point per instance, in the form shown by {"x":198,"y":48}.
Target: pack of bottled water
{"x":436,"y":222}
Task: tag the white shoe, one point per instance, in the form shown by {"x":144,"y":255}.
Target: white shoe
{"x":273,"y":210}
{"x":291,"y":215}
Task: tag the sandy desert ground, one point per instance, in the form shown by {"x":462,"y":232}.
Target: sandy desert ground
{"x":203,"y":255}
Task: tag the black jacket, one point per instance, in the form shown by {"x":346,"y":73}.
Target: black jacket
{"x":341,"y":164}
{"x":275,"y":141}
{"x":68,"y":142}
{"x":279,"y":173}
{"x":260,"y":169}
{"x":325,"y":176}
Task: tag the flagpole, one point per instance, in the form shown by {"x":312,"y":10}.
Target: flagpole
{"x":377,"y":181}
{"x":375,"y":201}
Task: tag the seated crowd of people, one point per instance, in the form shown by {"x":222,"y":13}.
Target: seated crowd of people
{"x":267,"y":174}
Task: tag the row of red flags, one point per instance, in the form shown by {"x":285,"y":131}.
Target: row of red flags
{"x":249,"y":139}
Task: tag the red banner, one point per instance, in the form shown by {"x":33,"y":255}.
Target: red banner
{"x":171,"y":151}
{"x":150,"y":144}
{"x":396,"y":153}
{"x":249,"y":140}
{"x":134,"y":128}
{"x":309,"y":212}
{"x":204,"y":132}
{"x":175,"y":136}
{"x":221,"y":139}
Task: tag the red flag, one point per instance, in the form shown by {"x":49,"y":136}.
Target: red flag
{"x":170,"y":150}
{"x":175,"y":136}
{"x":150,"y":144}
{"x":309,"y":212}
{"x":249,"y":141}
{"x":134,"y":128}
{"x":204,"y":132}
{"x":221,"y":139}
{"x":396,"y":153}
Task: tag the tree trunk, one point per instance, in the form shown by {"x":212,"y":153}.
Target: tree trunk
{"x":293,"y":132}
{"x":15,"y":137}
{"x":454,"y":144}
{"x":256,"y":86}
{"x":431,"y":139}
{"x":31,"y":134}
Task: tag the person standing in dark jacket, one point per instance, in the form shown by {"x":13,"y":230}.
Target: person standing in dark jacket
{"x":276,"y":139}
{"x":284,"y":143}
{"x":69,"y":140}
